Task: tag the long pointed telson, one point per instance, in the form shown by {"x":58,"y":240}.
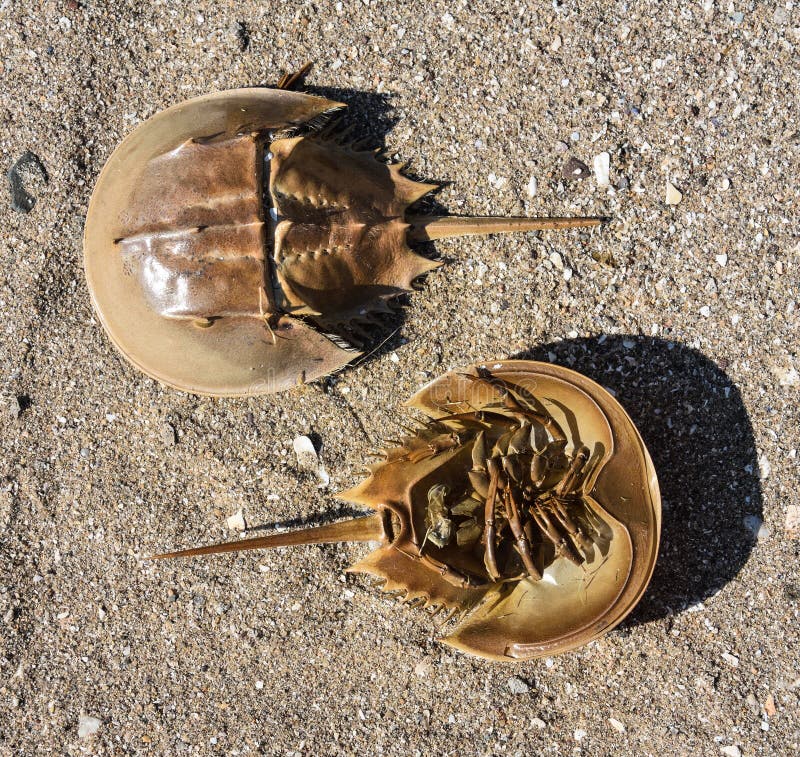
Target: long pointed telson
{"x":369,"y":528}
{"x":428,"y":228}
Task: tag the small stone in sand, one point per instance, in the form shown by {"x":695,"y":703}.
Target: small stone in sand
{"x":575,"y":169}
{"x":308,"y":459}
{"x":788,"y":376}
{"x":755,"y":525}
{"x":731,"y":659}
{"x":673,"y":194}
{"x":167,"y":434}
{"x":518,"y":686}
{"x":14,"y":406}
{"x":532,"y":187}
{"x":792,"y":523}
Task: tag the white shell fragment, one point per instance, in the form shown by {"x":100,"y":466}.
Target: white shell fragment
{"x":236,"y":522}
{"x":673,"y":195}
{"x":602,"y":165}
{"x":788,"y":376}
{"x":88,"y":726}
{"x":533,"y":187}
{"x":308,"y":459}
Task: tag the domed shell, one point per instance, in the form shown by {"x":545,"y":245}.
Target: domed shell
{"x":185,"y":188}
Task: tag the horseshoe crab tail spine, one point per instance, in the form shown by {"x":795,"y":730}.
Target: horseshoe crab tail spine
{"x":428,"y":228}
{"x":369,"y":528}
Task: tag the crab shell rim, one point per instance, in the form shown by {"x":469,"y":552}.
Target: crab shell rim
{"x":645,"y":540}
{"x":273,"y":109}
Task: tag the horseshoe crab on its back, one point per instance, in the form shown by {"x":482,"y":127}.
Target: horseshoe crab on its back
{"x":525,"y":505}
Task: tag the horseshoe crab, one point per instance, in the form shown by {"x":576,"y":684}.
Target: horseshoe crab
{"x":234,"y":247}
{"x":526,"y":505}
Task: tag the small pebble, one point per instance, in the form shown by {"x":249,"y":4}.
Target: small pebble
{"x":88,"y":726}
{"x":308,"y":459}
{"x":167,"y":434}
{"x":791,"y":524}
{"x":575,"y":169}
{"x":236,"y":522}
{"x":617,"y":725}
{"x":731,"y":659}
{"x":556,"y":260}
{"x":562,"y":147}
{"x":14,"y":407}
{"x":518,"y":686}
{"x":532,"y":187}
{"x":705,"y":311}
{"x":539,"y":723}
{"x":555,"y":45}
{"x":722,"y":259}
{"x":732,"y":751}
{"x":579,"y":734}
{"x":673,"y":195}
{"x":725,"y":183}
{"x":780,"y":16}
{"x":755,"y":525}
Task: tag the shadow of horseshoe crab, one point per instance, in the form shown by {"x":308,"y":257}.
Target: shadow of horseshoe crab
{"x":694,"y":423}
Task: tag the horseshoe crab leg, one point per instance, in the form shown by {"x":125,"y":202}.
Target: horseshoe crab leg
{"x":562,"y":515}
{"x":563,"y":546}
{"x":451,"y":575}
{"x":515,"y":406}
{"x":490,"y":558}
{"x":573,"y":476}
{"x":521,"y":537}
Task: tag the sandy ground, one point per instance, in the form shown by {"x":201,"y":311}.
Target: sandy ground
{"x":688,"y":312}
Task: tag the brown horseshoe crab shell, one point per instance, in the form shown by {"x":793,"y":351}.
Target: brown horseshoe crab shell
{"x":235,"y":356}
{"x":222,"y":252}
{"x":526,"y":504}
